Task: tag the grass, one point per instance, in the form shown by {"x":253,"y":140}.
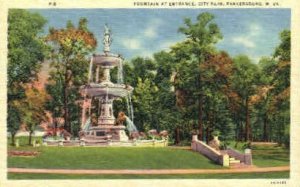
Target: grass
{"x":137,"y":158}
{"x":268,"y":155}
{"x":271,"y":175}
{"x":112,"y":158}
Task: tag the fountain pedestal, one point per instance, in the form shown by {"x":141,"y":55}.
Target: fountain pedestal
{"x":107,"y":132}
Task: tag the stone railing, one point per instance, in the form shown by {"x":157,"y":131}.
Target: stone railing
{"x":212,"y":154}
{"x":246,"y":157}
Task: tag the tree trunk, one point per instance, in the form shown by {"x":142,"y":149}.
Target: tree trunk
{"x":248,"y":128}
{"x":242,"y":131}
{"x":67,"y":126}
{"x":200,"y":121}
{"x":207,"y":134}
{"x":13,"y":136}
{"x":55,"y":126}
{"x":209,"y":126}
{"x":265,"y":133}
{"x":177,"y":136}
{"x":30,"y":137}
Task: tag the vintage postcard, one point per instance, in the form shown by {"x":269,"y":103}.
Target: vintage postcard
{"x":182,"y":93}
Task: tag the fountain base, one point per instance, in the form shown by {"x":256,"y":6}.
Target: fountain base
{"x":106,"y":133}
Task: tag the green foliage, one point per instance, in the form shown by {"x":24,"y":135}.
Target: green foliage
{"x":25,"y":48}
{"x":143,"y":100}
{"x":26,"y":51}
{"x":13,"y":121}
{"x":283,"y":51}
{"x":69,"y":62}
{"x":215,"y":133}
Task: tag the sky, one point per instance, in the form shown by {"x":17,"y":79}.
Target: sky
{"x":142,"y":32}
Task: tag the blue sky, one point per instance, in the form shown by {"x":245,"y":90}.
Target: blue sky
{"x":141,"y":32}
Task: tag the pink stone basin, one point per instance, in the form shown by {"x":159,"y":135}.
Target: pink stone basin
{"x":115,"y":90}
{"x":106,"y":60}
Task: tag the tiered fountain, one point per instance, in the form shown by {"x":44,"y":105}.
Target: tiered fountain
{"x":100,"y":127}
{"x":106,"y":92}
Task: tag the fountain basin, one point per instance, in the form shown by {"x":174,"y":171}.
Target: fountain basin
{"x":108,"y":60}
{"x":103,"y":89}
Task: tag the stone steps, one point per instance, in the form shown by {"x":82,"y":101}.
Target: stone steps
{"x":232,"y":161}
{"x":239,"y":165}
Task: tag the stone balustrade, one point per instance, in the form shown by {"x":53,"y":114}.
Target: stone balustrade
{"x":221,"y":157}
{"x":246,"y":157}
{"x":212,"y":154}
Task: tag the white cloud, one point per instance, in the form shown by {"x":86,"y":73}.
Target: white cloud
{"x":248,"y":39}
{"x":131,"y":43}
{"x":245,"y":41}
{"x":151,"y":30}
{"x":254,"y":29}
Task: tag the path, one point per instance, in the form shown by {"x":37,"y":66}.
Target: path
{"x":149,"y":171}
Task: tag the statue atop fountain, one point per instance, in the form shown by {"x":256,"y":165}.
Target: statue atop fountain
{"x":104,"y":92}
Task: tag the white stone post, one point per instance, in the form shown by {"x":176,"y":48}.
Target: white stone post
{"x":225,"y":161}
{"x":195,"y":138}
{"x":248,"y":157}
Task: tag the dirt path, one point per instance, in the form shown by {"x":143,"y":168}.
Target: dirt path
{"x":149,"y":171}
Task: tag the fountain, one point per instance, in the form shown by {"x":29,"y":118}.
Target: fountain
{"x":105,"y":92}
{"x":102,"y":128}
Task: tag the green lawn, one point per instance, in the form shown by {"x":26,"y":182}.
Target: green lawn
{"x":266,"y":156}
{"x":270,"y":175}
{"x":112,"y":158}
{"x":137,"y":158}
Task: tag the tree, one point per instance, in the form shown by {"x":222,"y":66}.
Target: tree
{"x":244,"y":83}
{"x":26,"y":51}
{"x":13,"y":121}
{"x":281,"y":84}
{"x":70,"y":48}
{"x":262,"y":100}
{"x":32,"y":108}
{"x":201,"y":37}
{"x":216,"y":73}
{"x":143,"y":100}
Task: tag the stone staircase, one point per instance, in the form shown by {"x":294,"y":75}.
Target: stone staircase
{"x":228,"y":157}
{"x":234,"y":162}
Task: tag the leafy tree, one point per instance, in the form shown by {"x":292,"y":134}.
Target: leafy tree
{"x":200,"y":39}
{"x":168,"y":116}
{"x":32,"y":108}
{"x":26,"y":51}
{"x":13,"y":121}
{"x":70,"y":48}
{"x":143,"y":101}
{"x":262,"y":100}
{"x":244,"y":83}
{"x":216,"y":72}
{"x":281,"y":84}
